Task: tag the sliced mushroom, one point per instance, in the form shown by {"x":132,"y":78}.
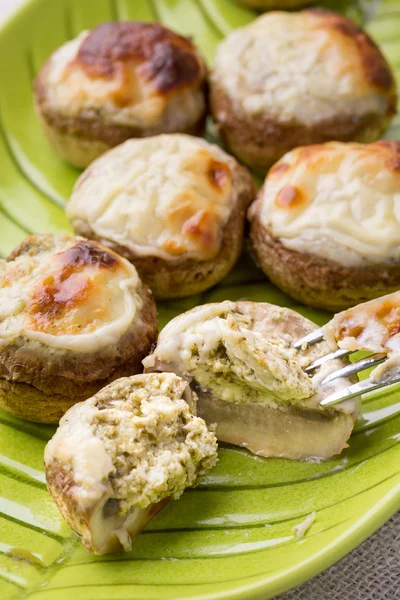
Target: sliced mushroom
{"x":240,"y":360}
{"x":119,"y":457}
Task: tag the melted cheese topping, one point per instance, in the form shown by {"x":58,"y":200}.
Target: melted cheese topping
{"x":336,"y":201}
{"x":165,"y":196}
{"x":71,"y":294}
{"x":373,"y":326}
{"x":297,"y":66}
{"x":75,"y":446}
{"x":72,"y":92}
{"x":243,"y":359}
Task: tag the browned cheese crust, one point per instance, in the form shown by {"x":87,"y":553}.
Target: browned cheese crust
{"x":39,"y":383}
{"x":168,"y":63}
{"x":261,"y":140}
{"x":177,"y":278}
{"x":316,"y":281}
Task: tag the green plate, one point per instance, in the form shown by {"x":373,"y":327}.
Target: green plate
{"x":232,"y":536}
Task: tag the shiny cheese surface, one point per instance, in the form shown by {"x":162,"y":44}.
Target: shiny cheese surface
{"x":372,"y":326}
{"x":167,"y":196}
{"x":67,"y":293}
{"x":127,"y":73}
{"x":337,"y":201}
{"x":308,"y":66}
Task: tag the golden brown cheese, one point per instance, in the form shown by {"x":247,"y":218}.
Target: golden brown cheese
{"x":338,"y":201}
{"x":68,"y":300}
{"x":304,"y":67}
{"x":376,"y":69}
{"x":129,"y":50}
{"x":373,"y":326}
{"x":73,"y":294}
{"x":127,"y":72}
{"x":164,"y":196}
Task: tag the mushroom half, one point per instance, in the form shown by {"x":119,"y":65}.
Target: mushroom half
{"x":239,"y":359}
{"x":122,"y":455}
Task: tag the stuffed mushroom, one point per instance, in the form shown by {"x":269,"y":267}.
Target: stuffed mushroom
{"x":122,"y":455}
{"x":293,"y":79}
{"x":372,"y":327}
{"x":325,"y":226}
{"x":74,"y":316}
{"x":240,"y":360}
{"x":174,"y":205}
{"x":117,"y":81}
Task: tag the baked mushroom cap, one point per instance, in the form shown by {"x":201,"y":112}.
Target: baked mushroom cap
{"x":326,"y":226}
{"x":74,"y":316}
{"x":293,"y":79}
{"x":373,"y":327}
{"x":240,"y":360}
{"x":174,"y":205}
{"x":117,"y":81}
{"x":119,"y":457}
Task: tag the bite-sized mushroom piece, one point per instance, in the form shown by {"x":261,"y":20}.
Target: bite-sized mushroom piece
{"x":300,"y":78}
{"x":122,"y":455}
{"x":73,"y":317}
{"x":240,"y":360}
{"x":325,"y":226}
{"x":372,"y":327}
{"x":174,"y":205}
{"x":117,"y":81}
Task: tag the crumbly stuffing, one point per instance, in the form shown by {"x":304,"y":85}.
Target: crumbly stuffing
{"x":156,"y":446}
{"x":238,"y":358}
{"x":244,"y":356}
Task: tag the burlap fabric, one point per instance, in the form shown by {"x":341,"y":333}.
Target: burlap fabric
{"x":370,"y":572}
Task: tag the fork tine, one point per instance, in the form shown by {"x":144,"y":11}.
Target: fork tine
{"x":362,"y":387}
{"x":339,"y":353}
{"x":360,"y":365}
{"x":312,"y":338}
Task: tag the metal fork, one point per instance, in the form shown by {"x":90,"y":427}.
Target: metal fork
{"x":362,"y":387}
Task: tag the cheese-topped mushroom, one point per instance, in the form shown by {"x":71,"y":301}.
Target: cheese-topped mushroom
{"x":119,"y":80}
{"x":119,"y":457}
{"x":239,"y":357}
{"x":291,"y":79}
{"x":73,"y":316}
{"x":326,"y":224}
{"x":172,"y":204}
{"x":373,"y":326}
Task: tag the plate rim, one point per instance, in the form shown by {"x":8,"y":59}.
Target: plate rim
{"x":302,"y":572}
